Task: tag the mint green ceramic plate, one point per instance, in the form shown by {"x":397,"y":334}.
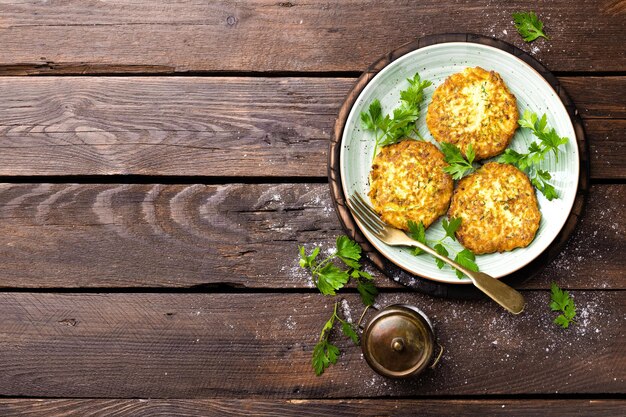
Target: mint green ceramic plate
{"x":436,"y":63}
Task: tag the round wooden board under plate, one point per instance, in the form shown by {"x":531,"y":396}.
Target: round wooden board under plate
{"x":392,"y":270}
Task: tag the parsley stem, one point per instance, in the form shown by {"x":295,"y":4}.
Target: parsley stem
{"x":376,"y":144}
{"x":418,"y":133}
{"x":340,"y":319}
{"x":326,"y":332}
{"x":323,"y":263}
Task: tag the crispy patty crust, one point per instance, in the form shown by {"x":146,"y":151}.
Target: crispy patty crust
{"x":407,"y":182}
{"x":474,"y":107}
{"x":498,"y":208}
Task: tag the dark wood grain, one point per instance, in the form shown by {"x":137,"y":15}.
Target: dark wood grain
{"x":308,"y":408}
{"x":167,"y":126}
{"x":609,"y":140}
{"x":193,"y":300}
{"x":68,"y":235}
{"x":268,"y":35}
{"x":597,"y":97}
{"x":218,"y":126}
{"x":259,"y":345}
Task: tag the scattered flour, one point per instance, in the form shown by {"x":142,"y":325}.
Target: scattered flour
{"x":290,"y":323}
{"x":345,"y":310}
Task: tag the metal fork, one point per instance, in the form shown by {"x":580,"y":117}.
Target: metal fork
{"x":497,"y":290}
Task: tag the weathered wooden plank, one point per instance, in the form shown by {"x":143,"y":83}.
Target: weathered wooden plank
{"x":308,"y":408}
{"x":607,"y":148}
{"x":267,"y":35}
{"x":68,"y":235}
{"x":597,"y":97}
{"x":166,"y":126}
{"x":217,"y":126}
{"x":259,"y":345}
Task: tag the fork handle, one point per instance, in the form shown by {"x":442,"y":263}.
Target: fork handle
{"x":498,"y":291}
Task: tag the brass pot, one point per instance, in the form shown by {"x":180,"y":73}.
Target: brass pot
{"x":399,"y":342}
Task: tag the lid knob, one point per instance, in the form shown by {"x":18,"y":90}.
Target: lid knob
{"x":397,"y":344}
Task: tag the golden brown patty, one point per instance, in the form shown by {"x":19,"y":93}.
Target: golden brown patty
{"x":498,"y":208}
{"x":407,"y":182}
{"x":474,"y":106}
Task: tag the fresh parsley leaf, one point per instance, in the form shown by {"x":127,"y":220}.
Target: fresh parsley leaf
{"x":327,"y":275}
{"x":512,"y":157}
{"x":467,"y":259}
{"x":441,"y":250}
{"x":529,"y":26}
{"x":528,"y":119}
{"x":458,"y":165}
{"x":368,"y":291}
{"x":540,"y":181}
{"x":365,"y":275}
{"x":549,"y":141}
{"x":417,"y":231}
{"x":549,"y":192}
{"x":563,"y":302}
{"x":390,"y":130}
{"x":451,"y":226}
{"x":562,"y":321}
{"x":559,"y":298}
{"x":324,"y":354}
{"x":348,"y":251}
{"x":372,"y":119}
{"x":307,"y":261}
{"x":348,"y":330}
{"x":330,"y":278}
{"x":348,"y":248}
{"x":412,"y":97}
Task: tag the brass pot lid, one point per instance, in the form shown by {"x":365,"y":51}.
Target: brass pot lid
{"x":398,"y":341}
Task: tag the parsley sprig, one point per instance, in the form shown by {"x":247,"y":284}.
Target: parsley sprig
{"x":563,"y":302}
{"x":324,"y":352}
{"x":328,"y":277}
{"x":466,"y":257}
{"x":390,"y":130}
{"x":529,"y":26}
{"x":549,"y":141}
{"x":459,"y":165}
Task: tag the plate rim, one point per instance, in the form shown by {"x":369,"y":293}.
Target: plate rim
{"x":430,"y":285}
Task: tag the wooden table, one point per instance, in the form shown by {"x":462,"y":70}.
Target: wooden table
{"x":162,"y":162}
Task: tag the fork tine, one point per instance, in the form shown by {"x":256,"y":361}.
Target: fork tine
{"x":361,"y":216}
{"x":373,"y":215}
{"x":365,"y":215}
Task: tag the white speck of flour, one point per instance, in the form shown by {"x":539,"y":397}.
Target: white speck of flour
{"x":290,"y":323}
{"x":345,"y":309}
